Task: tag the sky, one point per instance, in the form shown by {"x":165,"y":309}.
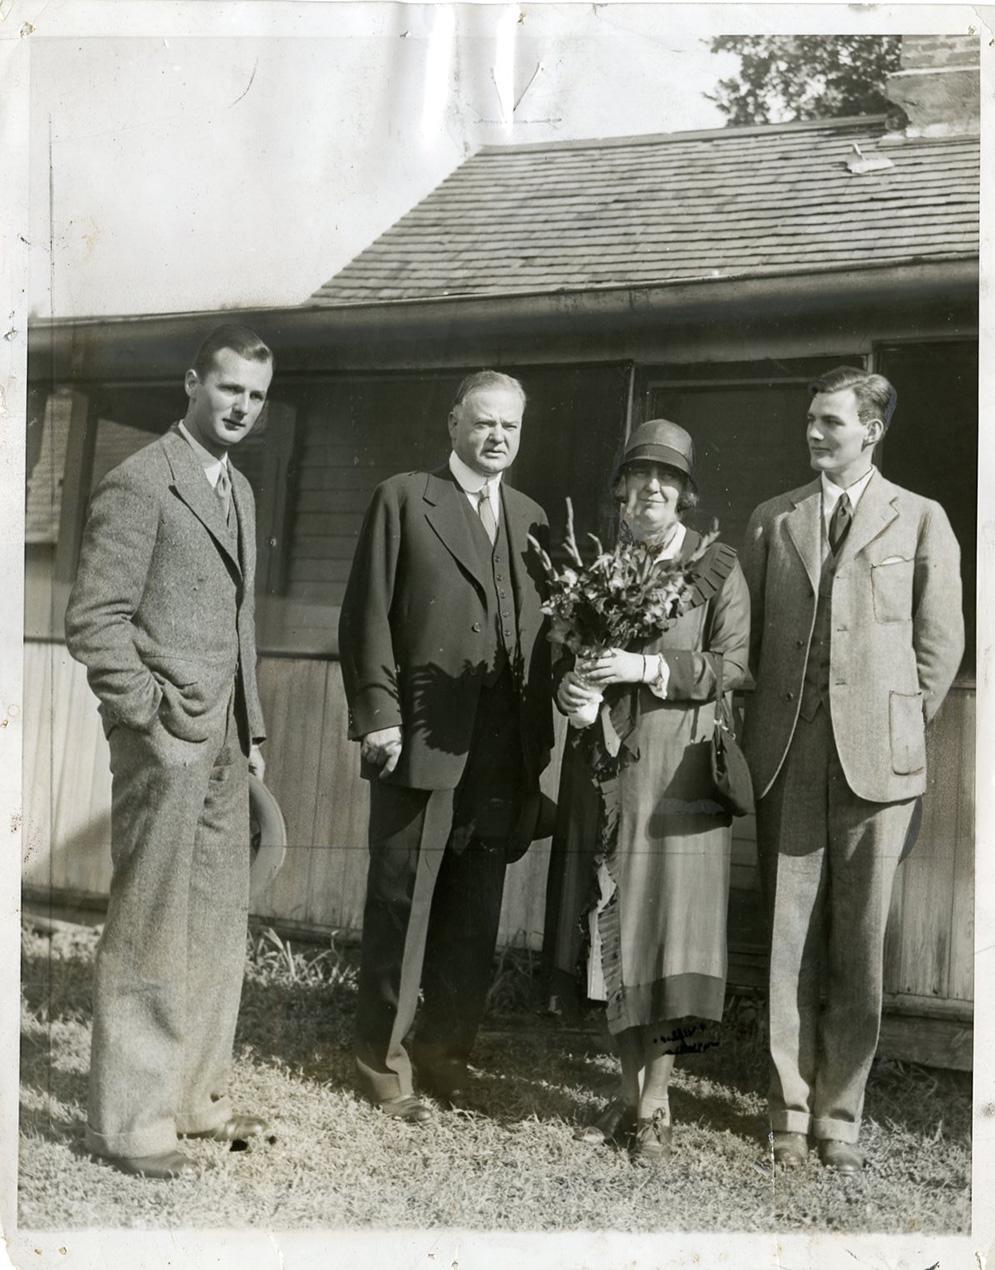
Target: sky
{"x":237,"y":168}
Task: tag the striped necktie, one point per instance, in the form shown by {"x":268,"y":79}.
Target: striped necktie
{"x":486,"y":513}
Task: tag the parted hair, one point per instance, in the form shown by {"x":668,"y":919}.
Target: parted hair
{"x":241,"y":339}
{"x":876,"y":396}
{"x":486,"y":379}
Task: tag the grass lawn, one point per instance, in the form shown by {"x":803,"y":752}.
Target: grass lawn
{"x":337,"y":1162}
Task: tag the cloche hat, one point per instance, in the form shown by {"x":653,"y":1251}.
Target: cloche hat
{"x":660,"y":441}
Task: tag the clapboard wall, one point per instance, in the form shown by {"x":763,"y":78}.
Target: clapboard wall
{"x":313,"y":770}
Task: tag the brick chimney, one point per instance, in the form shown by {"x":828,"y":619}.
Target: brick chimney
{"x":939,"y":85}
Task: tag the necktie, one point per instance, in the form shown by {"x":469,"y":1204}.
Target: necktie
{"x":486,"y":513}
{"x":839,"y":525}
{"x":223,"y":491}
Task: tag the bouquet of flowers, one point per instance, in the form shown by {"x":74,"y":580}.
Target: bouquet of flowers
{"x":623,"y":597}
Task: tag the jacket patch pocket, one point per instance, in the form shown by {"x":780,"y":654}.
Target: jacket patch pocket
{"x":891,"y":587}
{"x":908,"y":732}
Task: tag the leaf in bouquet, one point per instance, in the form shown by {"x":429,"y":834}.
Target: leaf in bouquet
{"x":570,"y":541}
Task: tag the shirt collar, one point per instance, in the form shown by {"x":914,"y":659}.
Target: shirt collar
{"x":469,"y":481}
{"x":831,"y":492}
{"x":211,"y":465}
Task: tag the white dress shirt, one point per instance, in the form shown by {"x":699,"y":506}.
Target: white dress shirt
{"x":211,"y":465}
{"x":471,"y":483}
{"x":832,"y":493}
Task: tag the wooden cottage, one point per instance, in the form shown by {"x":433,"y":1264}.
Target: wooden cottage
{"x":703,"y":276}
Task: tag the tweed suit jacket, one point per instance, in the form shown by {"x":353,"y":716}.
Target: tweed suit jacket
{"x":162,"y":609}
{"x":413,"y":623}
{"x":897,"y":632}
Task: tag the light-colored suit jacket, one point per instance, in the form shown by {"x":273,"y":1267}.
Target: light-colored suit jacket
{"x":897,"y":632}
{"x":162,"y":609}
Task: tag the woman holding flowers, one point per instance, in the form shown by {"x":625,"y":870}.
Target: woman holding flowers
{"x":640,"y":879}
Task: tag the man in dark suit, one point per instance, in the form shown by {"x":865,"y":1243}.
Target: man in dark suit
{"x":446,"y":670}
{"x":161,"y":615}
{"x":857,"y":636}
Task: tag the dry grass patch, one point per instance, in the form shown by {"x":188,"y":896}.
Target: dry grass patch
{"x":337,"y":1162}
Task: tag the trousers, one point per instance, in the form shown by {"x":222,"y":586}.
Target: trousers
{"x":171,"y":956}
{"x":433,"y":903}
{"x":829,"y":860}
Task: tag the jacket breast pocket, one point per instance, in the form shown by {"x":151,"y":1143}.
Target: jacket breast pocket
{"x":908,"y":732}
{"x":891,"y":587}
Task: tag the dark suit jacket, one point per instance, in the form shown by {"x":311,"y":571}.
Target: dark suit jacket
{"x":413,"y":623}
{"x":162,"y":609}
{"x":897,"y":632}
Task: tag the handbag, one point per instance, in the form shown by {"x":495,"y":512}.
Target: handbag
{"x":732,"y":786}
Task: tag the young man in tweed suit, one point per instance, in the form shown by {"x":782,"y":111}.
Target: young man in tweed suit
{"x":857,"y":634}
{"x":161,"y":615}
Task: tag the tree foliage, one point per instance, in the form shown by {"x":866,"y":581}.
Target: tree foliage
{"x":784,"y":78}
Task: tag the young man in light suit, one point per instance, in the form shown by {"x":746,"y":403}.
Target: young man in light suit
{"x":161,"y":614}
{"x":446,"y":669}
{"x":857,"y":635}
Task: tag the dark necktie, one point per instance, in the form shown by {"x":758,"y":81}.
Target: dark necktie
{"x":486,"y":513}
{"x":223,"y":491}
{"x":839,"y":525}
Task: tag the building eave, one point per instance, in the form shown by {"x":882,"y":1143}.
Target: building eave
{"x":334,"y":337}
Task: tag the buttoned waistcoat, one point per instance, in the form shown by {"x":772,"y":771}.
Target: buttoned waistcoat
{"x":896,"y":632}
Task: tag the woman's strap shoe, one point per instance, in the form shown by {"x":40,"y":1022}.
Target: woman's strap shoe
{"x":652,"y":1142}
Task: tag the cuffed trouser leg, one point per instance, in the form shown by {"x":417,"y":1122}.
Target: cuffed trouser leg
{"x":866,"y":844}
{"x":217,"y":922}
{"x":147,"y":971}
{"x":833,"y":859}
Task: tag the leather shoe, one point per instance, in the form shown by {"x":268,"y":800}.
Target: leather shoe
{"x":238,"y":1128}
{"x":168,"y":1165}
{"x":790,"y":1150}
{"x":617,"y":1123}
{"x":840,"y":1156}
{"x":652,"y":1142}
{"x":407,"y":1108}
{"x":455,"y":1092}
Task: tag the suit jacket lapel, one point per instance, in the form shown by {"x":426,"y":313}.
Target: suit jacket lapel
{"x":194,"y":489}
{"x":874,"y":512}
{"x":805,"y":530}
{"x":448,"y":519}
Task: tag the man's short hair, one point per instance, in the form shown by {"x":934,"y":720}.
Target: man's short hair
{"x":487,"y":379}
{"x":241,"y":339}
{"x":876,"y":397}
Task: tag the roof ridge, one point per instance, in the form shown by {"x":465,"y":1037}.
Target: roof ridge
{"x":699,"y":134}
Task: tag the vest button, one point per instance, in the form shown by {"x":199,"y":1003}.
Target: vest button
{"x":799,"y":643}
{"x":789,"y":696}
{"x":475,"y":627}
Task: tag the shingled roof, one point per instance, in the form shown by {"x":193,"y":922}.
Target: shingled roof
{"x":639,"y":211}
